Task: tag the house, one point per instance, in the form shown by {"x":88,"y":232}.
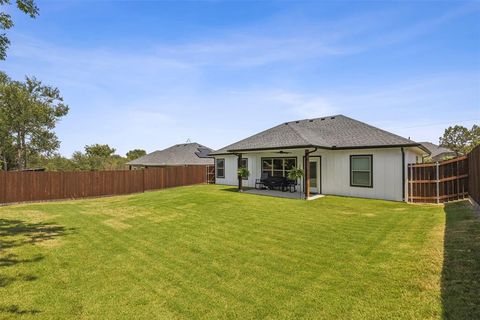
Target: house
{"x":178,"y":155}
{"x":438,"y":153}
{"x":339,"y":155}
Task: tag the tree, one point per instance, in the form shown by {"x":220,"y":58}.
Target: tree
{"x":97,"y":157}
{"x":6,"y":22}
{"x":135,"y":154}
{"x":460,"y":139}
{"x":99,"y":150}
{"x":6,"y":141}
{"x":29,"y":112}
{"x":475,"y":135}
{"x":55,"y":162}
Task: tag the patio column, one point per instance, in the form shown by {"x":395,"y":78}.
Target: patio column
{"x":306,"y":179}
{"x":239,"y":165}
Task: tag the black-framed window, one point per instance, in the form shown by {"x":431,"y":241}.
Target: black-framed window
{"x":220,"y":168}
{"x":278,"y":167}
{"x":361,"y":170}
{"x":244,"y":164}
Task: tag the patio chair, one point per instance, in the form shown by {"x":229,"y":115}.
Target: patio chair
{"x":259,"y":183}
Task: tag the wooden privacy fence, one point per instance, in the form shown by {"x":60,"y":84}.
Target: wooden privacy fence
{"x":474,"y":174}
{"x":35,"y":186}
{"x":438,"y":182}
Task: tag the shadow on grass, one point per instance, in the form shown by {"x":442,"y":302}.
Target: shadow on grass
{"x":15,"y":234}
{"x":16,"y":310}
{"x":461,"y":265}
{"x":235,"y":189}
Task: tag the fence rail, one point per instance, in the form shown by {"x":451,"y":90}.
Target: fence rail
{"x":38,"y":186}
{"x":439,"y":182}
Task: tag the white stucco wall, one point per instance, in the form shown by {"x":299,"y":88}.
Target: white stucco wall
{"x":335,"y":171}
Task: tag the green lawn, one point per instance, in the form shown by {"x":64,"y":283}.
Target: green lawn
{"x":207,"y":252}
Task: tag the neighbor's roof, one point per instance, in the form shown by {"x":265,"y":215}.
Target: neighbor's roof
{"x":179,"y":154}
{"x":333,"y":132}
{"x":436,"y":150}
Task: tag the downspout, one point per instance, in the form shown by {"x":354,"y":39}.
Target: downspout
{"x":403,"y":174}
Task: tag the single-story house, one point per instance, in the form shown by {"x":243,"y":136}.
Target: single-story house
{"x":339,"y":155}
{"x":178,"y":155}
{"x":438,"y":153}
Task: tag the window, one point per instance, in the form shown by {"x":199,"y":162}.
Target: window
{"x":244,"y":164}
{"x":220,"y":168}
{"x":278,"y":167}
{"x":361,"y":171}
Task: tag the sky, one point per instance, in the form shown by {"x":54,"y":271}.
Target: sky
{"x":150,"y":74}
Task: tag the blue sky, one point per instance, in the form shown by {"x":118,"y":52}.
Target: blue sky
{"x":151,"y":74}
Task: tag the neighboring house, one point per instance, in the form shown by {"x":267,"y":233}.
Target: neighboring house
{"x":438,"y":153}
{"x":177,"y":155}
{"x":344,"y":157}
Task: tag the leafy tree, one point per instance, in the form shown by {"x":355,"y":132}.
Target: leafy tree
{"x":29,"y":112}
{"x":6,"y":141}
{"x":456,"y":138}
{"x":98,"y":157}
{"x":55,"y":162}
{"x":135,"y":154}
{"x":6,"y":22}
{"x":475,"y":135}
{"x":115,"y":162}
{"x":99,"y":150}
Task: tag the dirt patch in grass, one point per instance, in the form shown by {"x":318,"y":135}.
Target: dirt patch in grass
{"x":116,"y":224}
{"x":168,"y":217}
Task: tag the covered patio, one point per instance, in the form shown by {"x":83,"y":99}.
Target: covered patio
{"x":275,"y":165}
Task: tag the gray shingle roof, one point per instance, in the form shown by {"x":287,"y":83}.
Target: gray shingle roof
{"x":436,"y":150}
{"x":330,"y":132}
{"x":179,"y":154}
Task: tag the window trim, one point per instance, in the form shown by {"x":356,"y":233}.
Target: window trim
{"x":246,"y":160}
{"x":371,"y":171}
{"x":283,"y":164}
{"x":216,"y":168}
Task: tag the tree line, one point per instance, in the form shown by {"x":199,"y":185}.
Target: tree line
{"x":94,"y":157}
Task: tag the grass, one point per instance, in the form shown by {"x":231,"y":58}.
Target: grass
{"x":205,"y":252}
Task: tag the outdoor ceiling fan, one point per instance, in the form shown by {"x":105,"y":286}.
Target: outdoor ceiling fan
{"x":282,"y":152}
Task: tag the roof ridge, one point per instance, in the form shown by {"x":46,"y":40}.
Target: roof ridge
{"x":377,"y":128}
{"x":317,"y":118}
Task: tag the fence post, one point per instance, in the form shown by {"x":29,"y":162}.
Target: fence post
{"x":143,"y":180}
{"x":458,"y":181}
{"x":438,"y":181}
{"x":410,"y":184}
